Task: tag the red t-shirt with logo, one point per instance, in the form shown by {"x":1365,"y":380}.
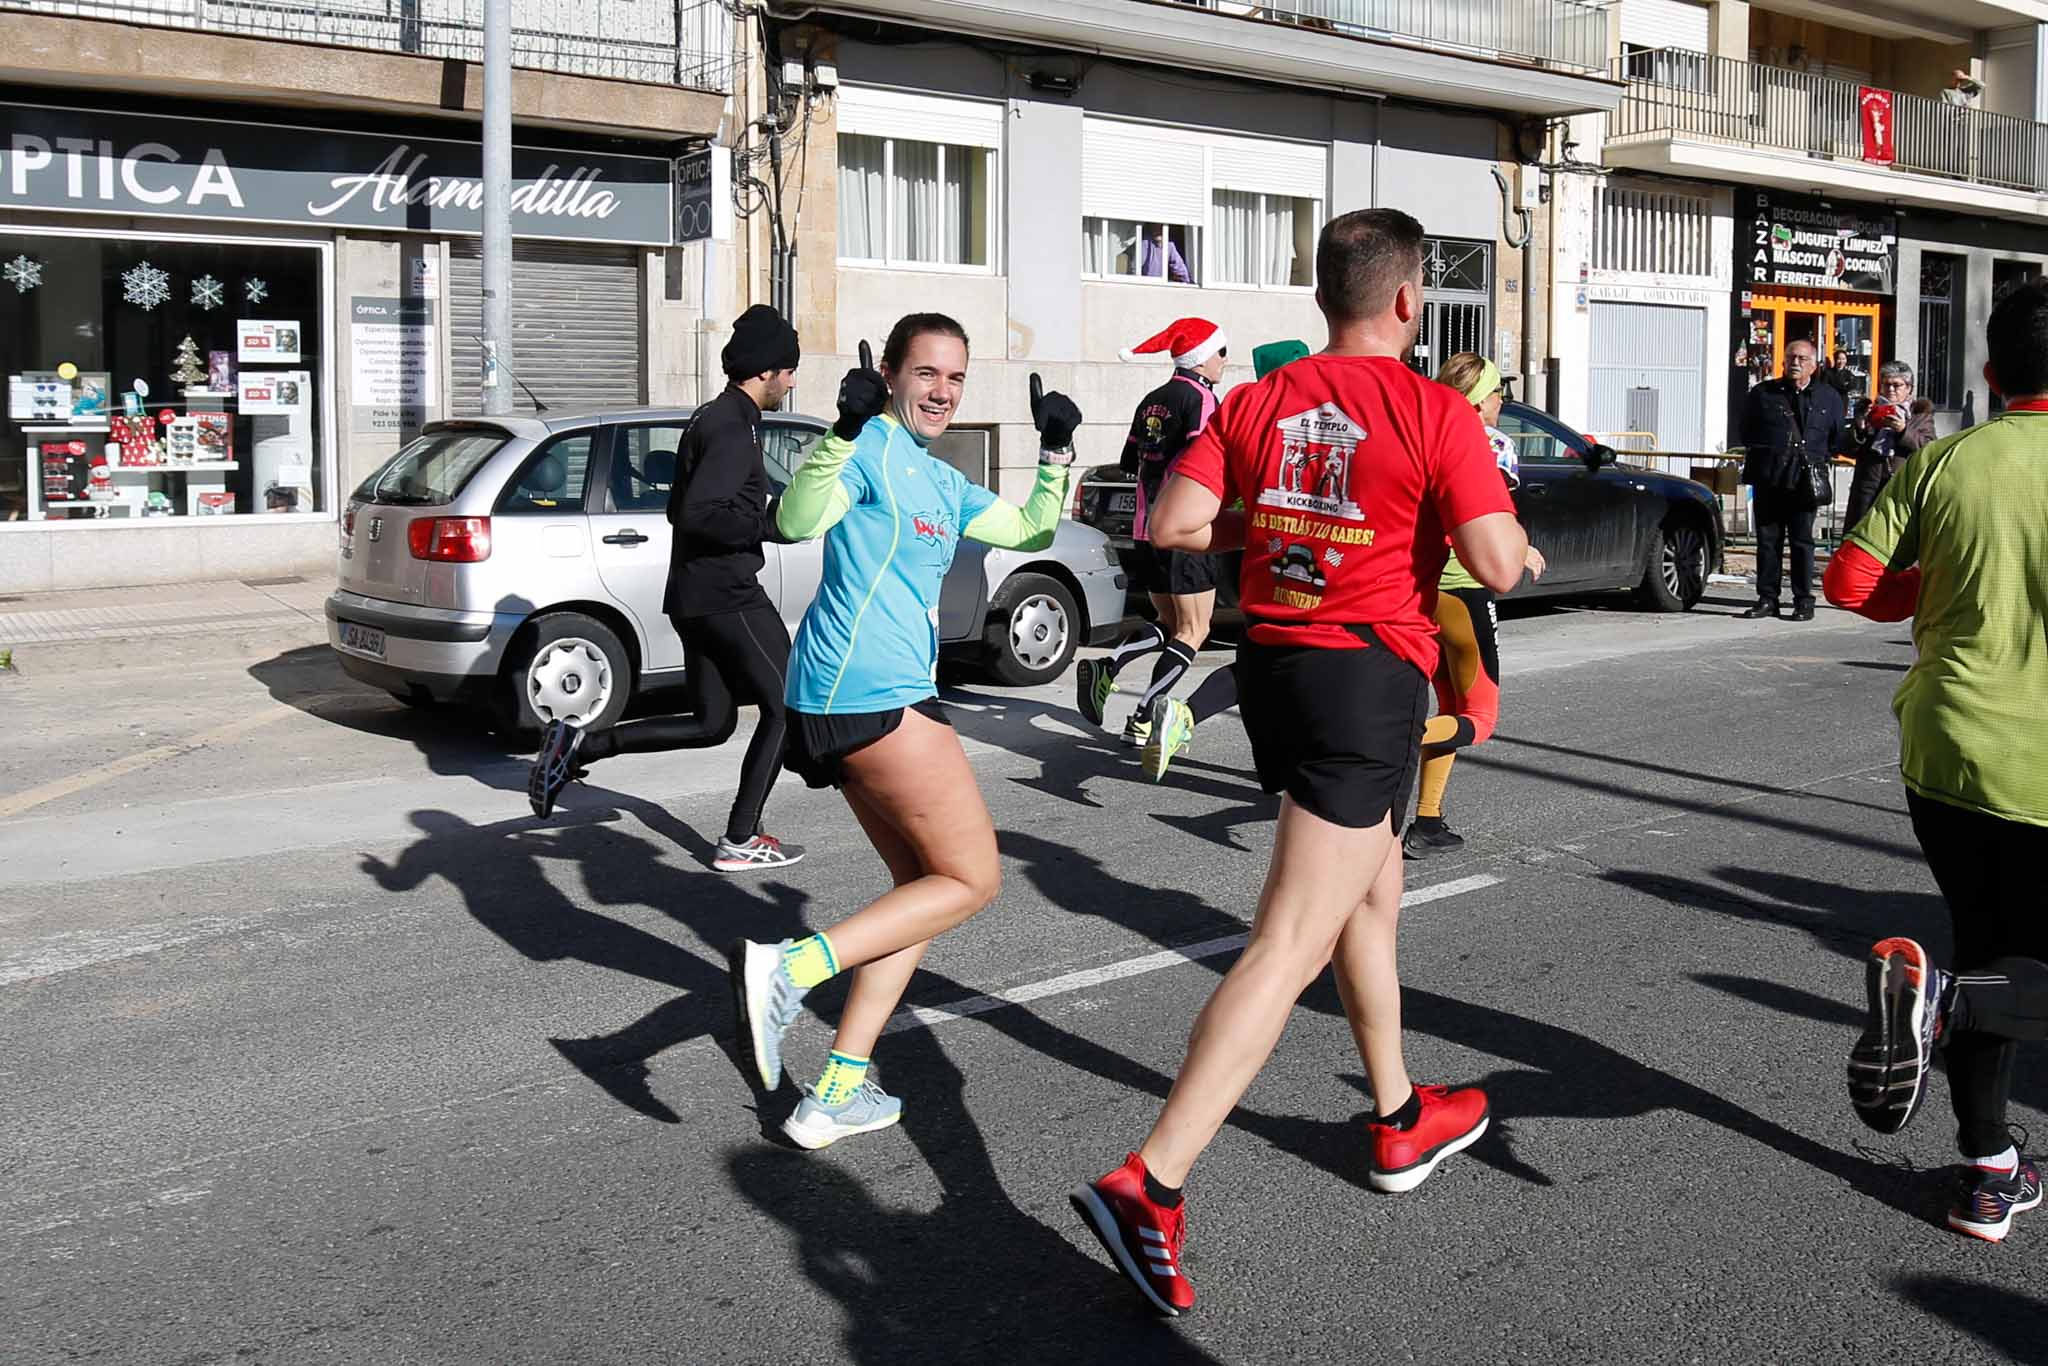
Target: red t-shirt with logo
{"x":1352,"y":470}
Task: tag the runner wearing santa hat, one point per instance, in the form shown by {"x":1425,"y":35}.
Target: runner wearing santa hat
{"x":1182,"y":586}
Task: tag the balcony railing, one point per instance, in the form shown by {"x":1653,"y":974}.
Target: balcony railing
{"x":1673,"y":91}
{"x":665,"y":42}
{"x":1558,"y":33}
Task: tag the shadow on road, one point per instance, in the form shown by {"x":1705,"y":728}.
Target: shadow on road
{"x":2002,"y":1320}
{"x":1847,"y":920}
{"x":977,"y":1278}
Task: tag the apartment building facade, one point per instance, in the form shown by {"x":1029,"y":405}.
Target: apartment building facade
{"x":239,"y":263}
{"x":1861,"y":177}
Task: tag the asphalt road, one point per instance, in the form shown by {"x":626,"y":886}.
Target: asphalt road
{"x":320,"y":1049}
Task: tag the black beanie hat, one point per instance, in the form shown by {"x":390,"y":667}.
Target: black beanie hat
{"x":761,"y":341}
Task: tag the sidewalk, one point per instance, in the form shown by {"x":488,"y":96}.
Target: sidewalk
{"x":152,"y":610}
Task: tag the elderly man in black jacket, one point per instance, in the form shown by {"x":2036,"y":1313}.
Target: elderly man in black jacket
{"x":1789,"y":426}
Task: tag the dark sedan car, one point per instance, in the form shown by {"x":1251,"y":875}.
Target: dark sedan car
{"x":1604,"y":525}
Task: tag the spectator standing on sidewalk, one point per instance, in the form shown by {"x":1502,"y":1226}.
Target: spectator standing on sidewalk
{"x":1958,"y":542}
{"x":1791,"y":429}
{"x":1896,"y":426}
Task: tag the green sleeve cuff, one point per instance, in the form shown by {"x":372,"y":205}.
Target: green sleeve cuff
{"x":1031,"y":527}
{"x":816,"y":497}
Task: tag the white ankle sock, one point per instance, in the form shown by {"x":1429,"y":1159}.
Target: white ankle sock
{"x":2006,"y":1162}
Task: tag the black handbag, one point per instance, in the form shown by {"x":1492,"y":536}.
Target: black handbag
{"x":1820,"y":484}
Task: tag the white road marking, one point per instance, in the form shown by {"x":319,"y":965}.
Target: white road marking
{"x":76,"y":949}
{"x":930,"y":1017}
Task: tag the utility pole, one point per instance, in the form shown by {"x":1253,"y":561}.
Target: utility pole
{"x":497,"y":244}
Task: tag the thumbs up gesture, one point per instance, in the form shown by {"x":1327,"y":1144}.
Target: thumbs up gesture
{"x":862,"y":394}
{"x":1055,"y":415}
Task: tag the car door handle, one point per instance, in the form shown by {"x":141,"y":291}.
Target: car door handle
{"x":626,"y":537}
{"x":1535,"y":490}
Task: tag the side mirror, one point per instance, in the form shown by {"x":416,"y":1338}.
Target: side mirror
{"x":1599,"y":456}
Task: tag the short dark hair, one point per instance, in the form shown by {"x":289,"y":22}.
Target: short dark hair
{"x":910,"y":327}
{"x":1363,"y":259}
{"x":2018,"y":339}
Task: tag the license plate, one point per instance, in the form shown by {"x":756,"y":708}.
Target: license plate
{"x":1123,"y":502}
{"x":363,"y":640}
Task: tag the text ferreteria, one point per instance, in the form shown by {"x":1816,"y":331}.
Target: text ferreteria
{"x":1289,"y":524}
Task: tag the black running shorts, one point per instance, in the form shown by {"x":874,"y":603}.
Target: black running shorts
{"x":818,"y":745}
{"x":1176,"y":573}
{"x":1337,"y":730}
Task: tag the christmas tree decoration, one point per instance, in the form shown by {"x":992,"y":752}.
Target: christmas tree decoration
{"x":255,"y":291}
{"x":190,"y":370}
{"x":145,"y":286}
{"x":22,"y":273}
{"x":208,"y":293}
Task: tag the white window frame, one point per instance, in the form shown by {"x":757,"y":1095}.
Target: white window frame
{"x":1259,"y":287}
{"x":886,"y":115}
{"x":330,"y":335}
{"x":1211,"y":145}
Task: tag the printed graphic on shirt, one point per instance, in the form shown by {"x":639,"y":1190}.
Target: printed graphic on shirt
{"x":933,"y":528}
{"x":1316,"y":451}
{"x":1298,"y":577}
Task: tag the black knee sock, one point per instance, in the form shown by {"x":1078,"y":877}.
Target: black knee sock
{"x":1168,"y":1196}
{"x":1405,"y":1117}
{"x":1173,"y":662}
{"x":1216,"y":693}
{"x":1136,"y":645}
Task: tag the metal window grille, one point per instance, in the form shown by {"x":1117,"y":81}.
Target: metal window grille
{"x":1652,"y":232}
{"x":1452,"y":264}
{"x":1935,"y":367}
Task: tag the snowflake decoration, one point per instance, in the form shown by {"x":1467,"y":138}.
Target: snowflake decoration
{"x":208,"y":293}
{"x":23,"y":274}
{"x":145,"y":286}
{"x":1332,"y":558}
{"x":255,"y":291}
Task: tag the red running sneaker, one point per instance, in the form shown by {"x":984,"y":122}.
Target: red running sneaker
{"x":1451,"y":1122}
{"x":1142,"y":1238}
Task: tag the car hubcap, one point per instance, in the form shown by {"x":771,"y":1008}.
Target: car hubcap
{"x":569,"y":680}
{"x":1684,"y":566}
{"x":1038,"y":631}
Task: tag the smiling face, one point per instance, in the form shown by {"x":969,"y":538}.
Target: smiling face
{"x":925,"y":390}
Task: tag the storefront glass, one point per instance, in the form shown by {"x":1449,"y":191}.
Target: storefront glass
{"x":162,"y":377}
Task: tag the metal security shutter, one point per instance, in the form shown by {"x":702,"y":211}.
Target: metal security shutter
{"x":576,"y":326}
{"x":1149,"y":175}
{"x":1297,"y":169}
{"x":1650,"y":346}
{"x":1664,"y":23}
{"x":919,"y":118}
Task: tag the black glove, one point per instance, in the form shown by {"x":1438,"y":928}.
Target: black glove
{"x":1056,"y":417}
{"x":862,"y":394}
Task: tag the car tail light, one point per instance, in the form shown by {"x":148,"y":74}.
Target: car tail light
{"x":457,"y":540}
{"x":1080,"y":499}
{"x":348,"y":523}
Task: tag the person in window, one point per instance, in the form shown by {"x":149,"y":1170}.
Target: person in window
{"x":735,"y":647}
{"x":1159,"y":258}
{"x":1182,"y":587}
{"x":1896,"y":426}
{"x":1788,"y":426}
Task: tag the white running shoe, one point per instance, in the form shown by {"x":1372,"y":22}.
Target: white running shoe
{"x":762,"y":851}
{"x":816,"y":1126}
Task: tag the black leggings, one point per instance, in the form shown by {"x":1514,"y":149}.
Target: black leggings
{"x":728,"y":659}
{"x":1989,"y":871}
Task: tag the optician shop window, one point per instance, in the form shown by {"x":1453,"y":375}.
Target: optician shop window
{"x":161,"y":377}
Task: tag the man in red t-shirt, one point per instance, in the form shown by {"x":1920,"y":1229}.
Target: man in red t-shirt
{"x":1353,"y":469}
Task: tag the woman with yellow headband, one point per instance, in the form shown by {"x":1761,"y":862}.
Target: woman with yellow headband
{"x":1468,"y":668}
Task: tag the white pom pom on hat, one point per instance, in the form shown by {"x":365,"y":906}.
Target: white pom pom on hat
{"x":1190,"y":341}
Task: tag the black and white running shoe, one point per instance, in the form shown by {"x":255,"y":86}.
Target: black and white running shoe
{"x":554,"y":767}
{"x":762,"y":851}
{"x":1888,"y":1066}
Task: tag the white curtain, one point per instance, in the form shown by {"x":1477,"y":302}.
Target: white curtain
{"x":960,"y":199}
{"x":917,"y":196}
{"x":1280,"y":212}
{"x":1234,"y":242}
{"x":860,"y":197}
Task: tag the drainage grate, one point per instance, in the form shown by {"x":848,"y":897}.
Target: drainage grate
{"x":285,"y":582}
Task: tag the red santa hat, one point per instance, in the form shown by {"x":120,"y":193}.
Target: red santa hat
{"x":1190,"y":341}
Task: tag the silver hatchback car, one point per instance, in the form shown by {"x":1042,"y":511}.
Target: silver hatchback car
{"x":519,"y":562}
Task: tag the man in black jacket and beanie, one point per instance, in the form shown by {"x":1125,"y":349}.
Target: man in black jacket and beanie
{"x":735,"y":647}
{"x":1790,"y":426}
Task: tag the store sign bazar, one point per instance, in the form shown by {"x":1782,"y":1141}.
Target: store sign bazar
{"x":1800,"y":242}
{"x":90,"y":161}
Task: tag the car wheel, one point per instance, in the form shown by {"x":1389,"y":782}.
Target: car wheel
{"x":1676,"y":576}
{"x":571,"y":668}
{"x":1034,"y":629}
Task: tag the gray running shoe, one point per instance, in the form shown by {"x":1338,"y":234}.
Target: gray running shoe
{"x":768,"y":1002}
{"x":817,"y":1126}
{"x":1137,"y":730}
{"x":762,"y":851}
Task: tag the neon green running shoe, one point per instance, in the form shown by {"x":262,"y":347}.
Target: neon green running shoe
{"x":1093,"y":683}
{"x":1173,"y":729}
{"x":1137,"y":730}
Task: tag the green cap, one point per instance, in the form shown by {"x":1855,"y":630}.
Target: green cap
{"x":1270,"y":357}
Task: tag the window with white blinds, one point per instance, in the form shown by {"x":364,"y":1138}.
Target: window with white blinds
{"x":1189,"y":207}
{"x":1648,"y":231}
{"x":917,"y":179}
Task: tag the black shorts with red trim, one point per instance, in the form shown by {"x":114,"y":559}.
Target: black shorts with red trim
{"x":818,"y":746}
{"x":1339,"y":731}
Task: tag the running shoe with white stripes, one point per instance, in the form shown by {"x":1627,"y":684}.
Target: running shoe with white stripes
{"x":760,"y":851}
{"x":1093,"y":683}
{"x":1173,"y":730}
{"x":816,"y":1125}
{"x":1888,"y":1067}
{"x":1143,"y":1238}
{"x":1137,"y":730}
{"x":1990,"y":1197}
{"x":554,"y":766}
{"x":767,"y":1001}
